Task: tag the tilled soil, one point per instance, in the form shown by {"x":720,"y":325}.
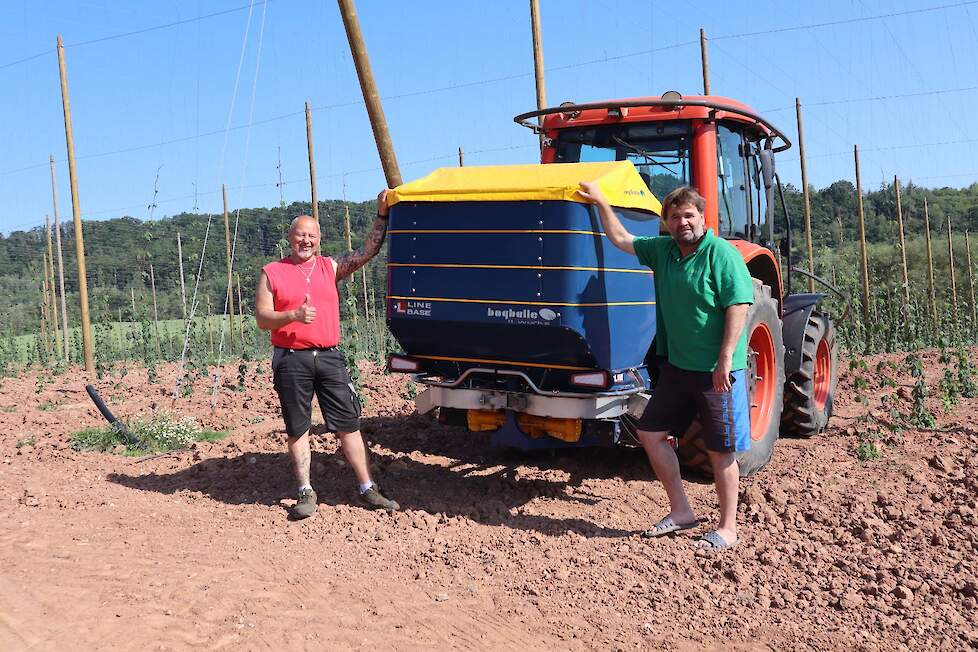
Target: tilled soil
{"x":195,"y":549}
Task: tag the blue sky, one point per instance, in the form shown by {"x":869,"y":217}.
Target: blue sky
{"x":453,"y":75}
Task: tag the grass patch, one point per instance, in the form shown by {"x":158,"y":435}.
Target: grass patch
{"x":26,"y":441}
{"x":164,"y":432}
{"x":47,"y":406}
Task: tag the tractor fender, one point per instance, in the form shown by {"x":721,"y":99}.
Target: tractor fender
{"x":797,"y":309}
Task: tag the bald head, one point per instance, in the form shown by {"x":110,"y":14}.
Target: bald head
{"x":306,"y":221}
{"x":304,"y":238}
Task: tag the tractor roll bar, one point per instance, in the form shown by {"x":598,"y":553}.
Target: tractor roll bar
{"x":525,"y":118}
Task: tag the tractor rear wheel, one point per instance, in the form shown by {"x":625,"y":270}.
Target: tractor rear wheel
{"x":809,"y":392}
{"x":765,"y":386}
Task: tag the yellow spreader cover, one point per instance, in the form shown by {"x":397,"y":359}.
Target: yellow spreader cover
{"x":619,"y":180}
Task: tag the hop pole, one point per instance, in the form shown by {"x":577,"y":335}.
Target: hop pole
{"x":61,"y":265}
{"x":862,"y":238}
{"x":903,"y":243}
{"x":930,"y":269}
{"x":76,"y":215}
{"x":805,"y":197}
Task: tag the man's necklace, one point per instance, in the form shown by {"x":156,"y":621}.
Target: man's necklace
{"x":308,"y":275}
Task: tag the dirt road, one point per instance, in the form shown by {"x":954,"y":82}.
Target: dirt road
{"x":194,"y":550}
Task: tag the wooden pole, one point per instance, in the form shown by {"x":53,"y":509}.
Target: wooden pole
{"x":52,"y":293}
{"x":950,"y":265}
{"x":45,"y":306}
{"x":930,"y":269}
{"x":461,"y":157}
{"x":312,"y":165}
{"x":76,"y":215}
{"x":538,"y":72}
{"x":132,"y":295}
{"x":862,"y":237}
{"x":903,"y":244}
{"x":183,"y":289}
{"x":371,"y":96}
{"x":156,"y":314}
{"x":705,"y":61}
{"x":971,"y":279}
{"x":61,"y":266}
{"x":805,"y":196}
{"x":237,"y":278}
{"x":366,"y":301}
{"x":349,"y":247}
{"x":227,"y":251}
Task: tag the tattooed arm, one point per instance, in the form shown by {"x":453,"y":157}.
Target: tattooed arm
{"x":351,"y":261}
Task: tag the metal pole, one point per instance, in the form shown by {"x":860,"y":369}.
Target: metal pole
{"x":461,"y":158}
{"x":805,"y":196}
{"x":903,"y":244}
{"x":76,"y":215}
{"x":950,"y":265}
{"x":930,"y":268}
{"x":538,"y":60}
{"x":61,"y":266}
{"x":371,"y":96}
{"x":312,"y":166}
{"x":862,"y":237}
{"x":227,"y":251}
{"x":49,"y":273}
{"x":705,"y":60}
{"x":971,"y":280}
{"x":183,"y":289}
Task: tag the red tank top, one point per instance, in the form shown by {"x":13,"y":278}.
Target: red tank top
{"x":289,"y":289}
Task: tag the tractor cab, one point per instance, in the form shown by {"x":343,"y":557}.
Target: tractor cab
{"x":716,"y":144}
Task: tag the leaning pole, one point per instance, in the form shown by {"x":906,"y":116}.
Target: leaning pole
{"x":378,"y":122}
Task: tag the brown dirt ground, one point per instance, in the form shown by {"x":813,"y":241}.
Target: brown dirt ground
{"x":194,"y":549}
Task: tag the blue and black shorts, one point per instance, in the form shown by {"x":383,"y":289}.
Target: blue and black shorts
{"x":680,"y":396}
{"x":300,"y":373}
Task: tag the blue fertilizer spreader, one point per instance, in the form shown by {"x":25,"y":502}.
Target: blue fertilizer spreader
{"x":514,"y":310}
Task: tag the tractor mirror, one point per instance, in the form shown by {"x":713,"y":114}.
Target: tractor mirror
{"x":767,"y":167}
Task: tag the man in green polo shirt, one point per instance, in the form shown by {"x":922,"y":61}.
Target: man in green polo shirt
{"x":703,"y":292}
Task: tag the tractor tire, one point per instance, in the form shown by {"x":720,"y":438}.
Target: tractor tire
{"x":765,"y":378}
{"x":809,"y":392}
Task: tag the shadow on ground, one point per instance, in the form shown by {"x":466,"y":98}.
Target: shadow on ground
{"x":474,"y":481}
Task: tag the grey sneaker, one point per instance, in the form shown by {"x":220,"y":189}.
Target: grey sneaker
{"x":373,"y":499}
{"x":305,"y":506}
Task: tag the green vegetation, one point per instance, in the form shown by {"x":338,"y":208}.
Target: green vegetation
{"x":163,"y":432}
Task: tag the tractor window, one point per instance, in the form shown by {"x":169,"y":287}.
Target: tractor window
{"x":659,"y":151}
{"x":733,"y":194}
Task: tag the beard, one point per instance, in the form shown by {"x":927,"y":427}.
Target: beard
{"x":688,"y":236}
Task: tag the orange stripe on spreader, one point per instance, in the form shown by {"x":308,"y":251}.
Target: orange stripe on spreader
{"x":536,"y":267}
{"x":508,"y":362}
{"x":526,"y":303}
{"x":491,"y":231}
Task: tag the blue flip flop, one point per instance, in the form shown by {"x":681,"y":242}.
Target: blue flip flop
{"x":667,"y":526}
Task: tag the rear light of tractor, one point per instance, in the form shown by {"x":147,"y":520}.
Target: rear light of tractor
{"x":590,"y":379}
{"x":402,"y":364}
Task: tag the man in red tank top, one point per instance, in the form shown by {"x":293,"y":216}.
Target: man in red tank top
{"x":297,"y":300}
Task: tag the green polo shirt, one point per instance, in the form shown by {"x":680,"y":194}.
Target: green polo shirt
{"x":692,"y":294}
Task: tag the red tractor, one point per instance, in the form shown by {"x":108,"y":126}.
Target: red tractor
{"x":724,"y":149}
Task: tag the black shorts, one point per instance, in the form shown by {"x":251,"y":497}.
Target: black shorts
{"x":680,"y":396}
{"x":300,"y":373}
